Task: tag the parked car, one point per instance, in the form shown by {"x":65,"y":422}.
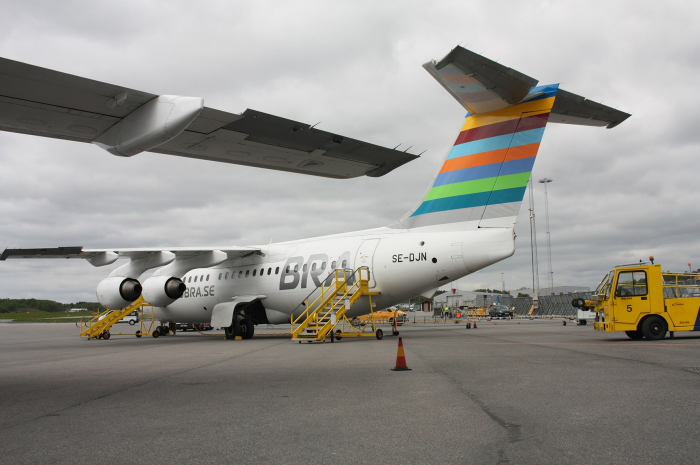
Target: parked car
{"x":132,"y":318}
{"x":500,"y":311}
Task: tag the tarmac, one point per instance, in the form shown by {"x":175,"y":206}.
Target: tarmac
{"x":536,"y":392}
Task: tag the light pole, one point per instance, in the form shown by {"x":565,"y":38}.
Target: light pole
{"x":503,"y":283}
{"x":550,"y":275}
{"x":533,"y":249}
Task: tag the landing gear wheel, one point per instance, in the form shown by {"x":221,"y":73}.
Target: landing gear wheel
{"x":132,"y":322}
{"x":379,"y":334}
{"x":164,"y":330}
{"x":337,"y":334}
{"x":583,"y":322}
{"x":155,"y":333}
{"x":563,"y":322}
{"x":138,"y":334}
{"x":654,"y":328}
{"x":105,"y":335}
{"x":229,"y":332}
{"x":395,"y":333}
{"x":159,"y":330}
{"x":247,"y":328}
{"x":634,"y":334}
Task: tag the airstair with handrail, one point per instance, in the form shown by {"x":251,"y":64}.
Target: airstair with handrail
{"x":321,"y":315}
{"x":98,"y":327}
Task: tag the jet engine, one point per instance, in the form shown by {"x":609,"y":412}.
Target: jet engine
{"x":118,"y":292}
{"x":160,"y":291}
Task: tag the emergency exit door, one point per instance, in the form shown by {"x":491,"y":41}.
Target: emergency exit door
{"x":365,"y":257}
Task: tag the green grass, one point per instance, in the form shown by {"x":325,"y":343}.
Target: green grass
{"x":53,"y":317}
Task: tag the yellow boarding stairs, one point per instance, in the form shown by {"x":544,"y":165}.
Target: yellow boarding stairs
{"x":99,"y":326}
{"x":328,"y":310}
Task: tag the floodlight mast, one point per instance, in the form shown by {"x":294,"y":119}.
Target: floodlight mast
{"x":550,"y":273}
{"x":533,"y":249}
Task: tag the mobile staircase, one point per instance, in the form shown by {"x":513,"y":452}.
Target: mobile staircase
{"x":321,"y":315}
{"x":98,"y":327}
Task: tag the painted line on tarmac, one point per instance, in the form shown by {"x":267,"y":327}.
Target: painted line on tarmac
{"x":621,"y":344}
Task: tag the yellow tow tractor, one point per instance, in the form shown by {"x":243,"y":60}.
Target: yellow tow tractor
{"x":644,"y":301}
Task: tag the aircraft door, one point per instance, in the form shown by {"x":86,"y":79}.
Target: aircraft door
{"x":365,"y":256}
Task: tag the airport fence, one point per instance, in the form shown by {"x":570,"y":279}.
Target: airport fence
{"x":550,"y":305}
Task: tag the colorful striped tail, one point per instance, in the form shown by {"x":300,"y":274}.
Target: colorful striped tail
{"x":483,"y":179}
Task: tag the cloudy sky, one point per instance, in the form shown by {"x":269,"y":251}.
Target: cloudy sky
{"x":618,"y":195}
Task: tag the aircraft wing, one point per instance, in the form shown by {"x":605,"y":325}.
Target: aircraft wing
{"x":100,"y":257}
{"x":126,"y":121}
{"x":481,"y":85}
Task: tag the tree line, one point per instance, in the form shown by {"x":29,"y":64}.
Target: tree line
{"x":24,"y":305}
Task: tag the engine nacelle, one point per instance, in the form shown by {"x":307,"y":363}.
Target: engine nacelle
{"x":118,"y":292}
{"x":160,"y":291}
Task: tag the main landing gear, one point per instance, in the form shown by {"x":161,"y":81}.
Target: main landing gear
{"x":240,"y":327}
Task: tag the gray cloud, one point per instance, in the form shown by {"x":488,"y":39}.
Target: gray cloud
{"x":618,"y":195}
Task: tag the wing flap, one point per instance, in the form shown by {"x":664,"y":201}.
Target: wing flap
{"x":262,"y":140}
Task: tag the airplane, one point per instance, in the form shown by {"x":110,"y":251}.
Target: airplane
{"x":464,"y":222}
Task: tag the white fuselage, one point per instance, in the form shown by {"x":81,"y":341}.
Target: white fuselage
{"x":402,"y":264}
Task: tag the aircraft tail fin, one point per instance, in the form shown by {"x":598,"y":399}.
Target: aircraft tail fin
{"x":483,"y":178}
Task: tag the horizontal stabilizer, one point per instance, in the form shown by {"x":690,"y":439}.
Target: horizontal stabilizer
{"x":573,"y":109}
{"x":481,"y":86}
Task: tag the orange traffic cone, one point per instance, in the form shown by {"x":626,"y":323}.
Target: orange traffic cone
{"x":400,"y":359}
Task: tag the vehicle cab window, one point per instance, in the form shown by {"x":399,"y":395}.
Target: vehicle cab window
{"x":631,"y":283}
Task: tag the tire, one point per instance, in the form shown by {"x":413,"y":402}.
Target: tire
{"x":637,"y":334}
{"x":132,"y":322}
{"x":563,"y":322}
{"x":337,"y":337}
{"x":229,"y":332}
{"x":138,"y":333}
{"x":155,"y":334}
{"x":584,"y":322}
{"x":395,"y":333}
{"x":247,"y":328}
{"x":654,"y":328}
{"x":106,"y":335}
{"x":379,"y":334}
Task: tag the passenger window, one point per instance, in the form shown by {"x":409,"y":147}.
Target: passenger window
{"x":286,"y":270}
{"x":631,"y":283}
{"x":208,"y":277}
{"x":254,"y":271}
{"x":240,"y":273}
{"x":226,"y":277}
{"x":313,"y":267}
{"x":247,"y":272}
{"x":195,"y":279}
{"x":219,"y":276}
{"x":277,"y":270}
{"x":269,"y":271}
{"x":296,"y":267}
{"x":345,"y":264}
{"x":190,"y":280}
{"x":201,"y":278}
{"x":262,"y":271}
{"x":323,"y":266}
{"x":304,"y":268}
{"x":333,"y":265}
